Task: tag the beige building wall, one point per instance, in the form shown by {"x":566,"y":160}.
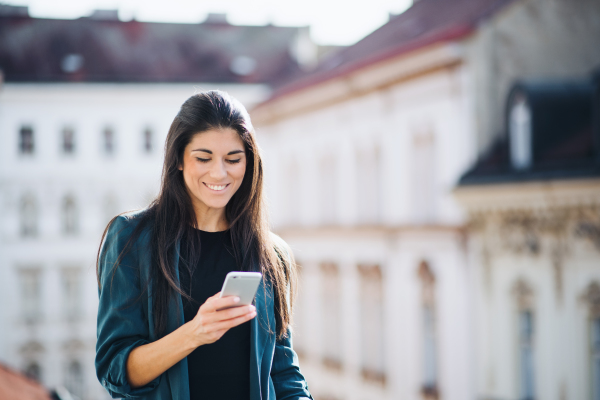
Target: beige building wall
{"x":535,"y":246}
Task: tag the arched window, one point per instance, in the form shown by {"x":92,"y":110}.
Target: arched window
{"x":293,"y":192}
{"x":28,"y":211}
{"x":526,"y":339}
{"x":327,"y":189}
{"x":422,"y":176}
{"x":74,"y":380}
{"x":368,"y":184}
{"x":300,"y":323}
{"x":331,"y":313}
{"x":71,"y":292}
{"x":429,"y":332}
{"x":69,"y":216}
{"x":31,"y":294}
{"x":34,"y":371}
{"x":371,"y":315}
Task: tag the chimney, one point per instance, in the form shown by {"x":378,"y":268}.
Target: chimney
{"x":216,"y":19}
{"x":104,"y":15}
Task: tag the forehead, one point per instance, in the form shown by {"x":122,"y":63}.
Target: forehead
{"x":217,"y":140}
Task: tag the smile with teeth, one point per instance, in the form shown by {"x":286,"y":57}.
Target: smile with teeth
{"x":216,"y":188}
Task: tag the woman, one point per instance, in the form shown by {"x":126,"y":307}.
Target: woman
{"x":160,"y":335}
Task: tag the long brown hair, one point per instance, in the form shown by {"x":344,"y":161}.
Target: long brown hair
{"x":171,"y":214}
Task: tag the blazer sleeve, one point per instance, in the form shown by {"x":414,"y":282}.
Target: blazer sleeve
{"x":288,"y":381}
{"x":122,"y":322}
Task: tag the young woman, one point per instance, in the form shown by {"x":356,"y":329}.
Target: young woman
{"x":160,"y":335}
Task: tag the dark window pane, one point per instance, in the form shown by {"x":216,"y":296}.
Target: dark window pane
{"x":26,"y":140}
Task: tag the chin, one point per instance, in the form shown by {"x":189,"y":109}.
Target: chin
{"x":214,"y":203}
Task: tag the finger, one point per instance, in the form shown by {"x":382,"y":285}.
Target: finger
{"x":235,"y":312}
{"x":228,"y":314}
{"x":217,"y":303}
{"x":230,"y":323}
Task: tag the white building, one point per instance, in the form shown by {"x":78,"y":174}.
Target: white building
{"x":362,"y":156}
{"x":81,"y":140}
{"x":534,"y":246}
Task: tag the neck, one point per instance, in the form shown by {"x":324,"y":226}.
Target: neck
{"x":210,"y":219}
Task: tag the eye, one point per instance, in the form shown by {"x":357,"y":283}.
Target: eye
{"x":203,"y":159}
{"x":234,"y":161}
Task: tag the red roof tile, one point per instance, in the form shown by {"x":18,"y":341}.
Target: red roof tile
{"x":89,"y":50}
{"x":425,"y":23}
{"x":15,"y":386}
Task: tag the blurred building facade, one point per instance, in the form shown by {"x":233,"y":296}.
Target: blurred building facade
{"x":84,"y":112}
{"x":362,"y":155}
{"x":534,"y":239}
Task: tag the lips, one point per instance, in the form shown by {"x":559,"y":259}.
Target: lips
{"x":216,"y":188}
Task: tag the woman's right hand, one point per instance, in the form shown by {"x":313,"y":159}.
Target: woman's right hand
{"x":209,"y":324}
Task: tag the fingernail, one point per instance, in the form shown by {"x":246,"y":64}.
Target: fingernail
{"x":236,"y":299}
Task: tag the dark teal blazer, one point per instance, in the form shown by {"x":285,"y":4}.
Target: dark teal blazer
{"x":125,"y":322}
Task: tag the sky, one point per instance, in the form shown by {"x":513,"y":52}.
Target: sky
{"x":333,"y":22}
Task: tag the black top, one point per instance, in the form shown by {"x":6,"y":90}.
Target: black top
{"x":220,"y":370}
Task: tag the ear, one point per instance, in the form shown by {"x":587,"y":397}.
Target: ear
{"x":180,"y":167}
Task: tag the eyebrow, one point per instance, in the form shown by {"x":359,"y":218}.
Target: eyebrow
{"x":229,"y":154}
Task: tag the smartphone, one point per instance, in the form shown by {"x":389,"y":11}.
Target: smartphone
{"x":241,"y":284}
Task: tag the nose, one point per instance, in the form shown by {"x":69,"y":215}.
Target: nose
{"x":218,"y":171}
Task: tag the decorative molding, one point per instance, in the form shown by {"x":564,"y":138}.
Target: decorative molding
{"x":31,"y":349}
{"x":591,"y":297}
{"x":523,"y":294}
{"x":590,"y":231}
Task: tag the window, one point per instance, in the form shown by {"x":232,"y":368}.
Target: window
{"x":292,"y":186}
{"x":68,"y":140}
{"x":148,"y":140}
{"x":371,"y":315}
{"x":423,"y":177}
{"x":71,"y":282}
{"x":28,"y":211}
{"x":428,"y":326}
{"x":108,"y":136}
{"x":70,"y":216}
{"x":26,"y":143}
{"x":591,"y":297}
{"x":300,"y":323}
{"x":368,"y":185}
{"x":327,"y":190}
{"x":526,"y":356}
{"x":331,"y":323}
{"x":520,"y":132}
{"x":34,"y":371}
{"x":110,"y":207}
{"x":74,"y":381}
{"x":595,"y":357}
{"x":30,"y":294}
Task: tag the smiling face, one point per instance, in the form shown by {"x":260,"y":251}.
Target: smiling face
{"x":214,"y":163}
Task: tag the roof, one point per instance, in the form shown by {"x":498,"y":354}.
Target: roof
{"x":16,"y":386}
{"x":108,"y":50}
{"x":565,"y":135}
{"x":425,"y":23}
